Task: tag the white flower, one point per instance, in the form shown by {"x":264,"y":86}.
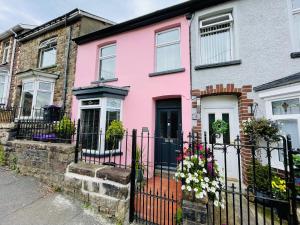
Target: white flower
{"x":216,"y":203}
{"x":187,"y":180}
{"x":214,"y":183}
{"x":196,"y":180}
{"x":188,"y":188}
{"x":204,"y":170}
{"x":182,"y":175}
{"x":183,"y":187}
{"x":195,"y":189}
{"x":213,"y":190}
{"x":199,"y":195}
{"x":206,"y":179}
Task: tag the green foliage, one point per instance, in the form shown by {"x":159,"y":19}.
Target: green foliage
{"x":87,"y":205}
{"x":296,"y":159}
{"x":115,"y":131}
{"x":261,"y":176}
{"x":13,"y":162}
{"x":261,"y":128}
{"x":179,"y":216}
{"x":2,"y":156}
{"x":220,"y":127}
{"x":65,"y":127}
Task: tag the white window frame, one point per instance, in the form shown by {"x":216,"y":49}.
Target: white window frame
{"x":35,"y":82}
{"x":278,"y":94}
{"x":47,"y":45}
{"x":167,"y":44}
{"x":296,"y":42}
{"x":107,"y":57}
{"x":103,"y":109}
{"x":6,"y":52}
{"x":3,"y":99}
{"x":231,"y":31}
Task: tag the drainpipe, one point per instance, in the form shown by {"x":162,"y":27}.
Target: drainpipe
{"x":12,"y":60}
{"x":190,"y":17}
{"x":66,"y":66}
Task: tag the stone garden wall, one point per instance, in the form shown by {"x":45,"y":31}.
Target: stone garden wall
{"x":105,"y":189}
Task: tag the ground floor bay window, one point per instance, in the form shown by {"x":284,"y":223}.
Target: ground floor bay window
{"x":37,"y":92}
{"x":95,"y":117}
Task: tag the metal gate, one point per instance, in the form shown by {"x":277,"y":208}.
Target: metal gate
{"x":249,"y":193}
{"x":155,"y":194}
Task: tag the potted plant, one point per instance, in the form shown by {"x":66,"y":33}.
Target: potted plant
{"x":114,"y":134}
{"x":279,"y":192}
{"x":261,"y":182}
{"x":261,"y":128}
{"x":139,"y":166}
{"x":65,"y":128}
{"x":202,"y":178}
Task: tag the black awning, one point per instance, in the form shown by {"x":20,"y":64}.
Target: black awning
{"x":100,"y":91}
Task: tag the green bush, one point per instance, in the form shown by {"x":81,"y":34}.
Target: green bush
{"x":2,"y":156}
{"x":262,"y":182}
{"x":65,"y":128}
{"x":115,"y":131}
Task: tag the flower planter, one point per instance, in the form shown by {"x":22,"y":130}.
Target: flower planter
{"x":282,"y":209}
{"x":44,"y":137}
{"x":263,"y":198}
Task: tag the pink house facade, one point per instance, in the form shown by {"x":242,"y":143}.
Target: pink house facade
{"x":141,"y":77}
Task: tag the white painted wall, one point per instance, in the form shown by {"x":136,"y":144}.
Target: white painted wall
{"x":262,"y":40}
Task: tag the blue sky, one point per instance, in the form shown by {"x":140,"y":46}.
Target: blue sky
{"x":37,"y":12}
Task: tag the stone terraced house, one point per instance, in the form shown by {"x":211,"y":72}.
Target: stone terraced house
{"x":45,"y":62}
{"x":8,"y":47}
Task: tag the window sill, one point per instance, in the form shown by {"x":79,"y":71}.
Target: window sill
{"x":216,"y":65}
{"x":295,"y":55}
{"x":104,"y":81}
{"x":101,"y":155}
{"x":166,"y":72}
{"x":47,"y":67}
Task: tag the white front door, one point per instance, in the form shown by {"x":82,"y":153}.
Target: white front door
{"x":222,"y":108}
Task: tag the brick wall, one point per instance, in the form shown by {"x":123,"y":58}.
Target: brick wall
{"x":243,"y":104}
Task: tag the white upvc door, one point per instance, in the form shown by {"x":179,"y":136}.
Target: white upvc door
{"x":222,"y":108}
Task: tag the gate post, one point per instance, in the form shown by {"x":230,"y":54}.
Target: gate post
{"x":292,"y":199}
{"x":132,"y":177}
{"x":77,"y":142}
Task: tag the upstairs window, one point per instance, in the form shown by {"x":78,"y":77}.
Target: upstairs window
{"x":47,"y":51}
{"x":107,"y":65}
{"x":168,"y":50}
{"x":6,"y":48}
{"x":216,"y":39}
{"x":296,"y":22}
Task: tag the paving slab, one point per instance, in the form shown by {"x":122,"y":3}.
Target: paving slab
{"x":25,"y":201}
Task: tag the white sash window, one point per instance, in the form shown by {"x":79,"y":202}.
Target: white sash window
{"x":3,"y":86}
{"x":216,"y":42}
{"x":168,"y":50}
{"x":296,"y":22}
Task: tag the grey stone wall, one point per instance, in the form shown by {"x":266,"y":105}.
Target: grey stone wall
{"x":106,"y":189}
{"x":45,"y":161}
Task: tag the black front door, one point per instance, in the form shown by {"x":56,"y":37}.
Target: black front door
{"x":168,"y":129}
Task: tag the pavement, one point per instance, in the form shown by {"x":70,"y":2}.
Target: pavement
{"x":25,"y":201}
